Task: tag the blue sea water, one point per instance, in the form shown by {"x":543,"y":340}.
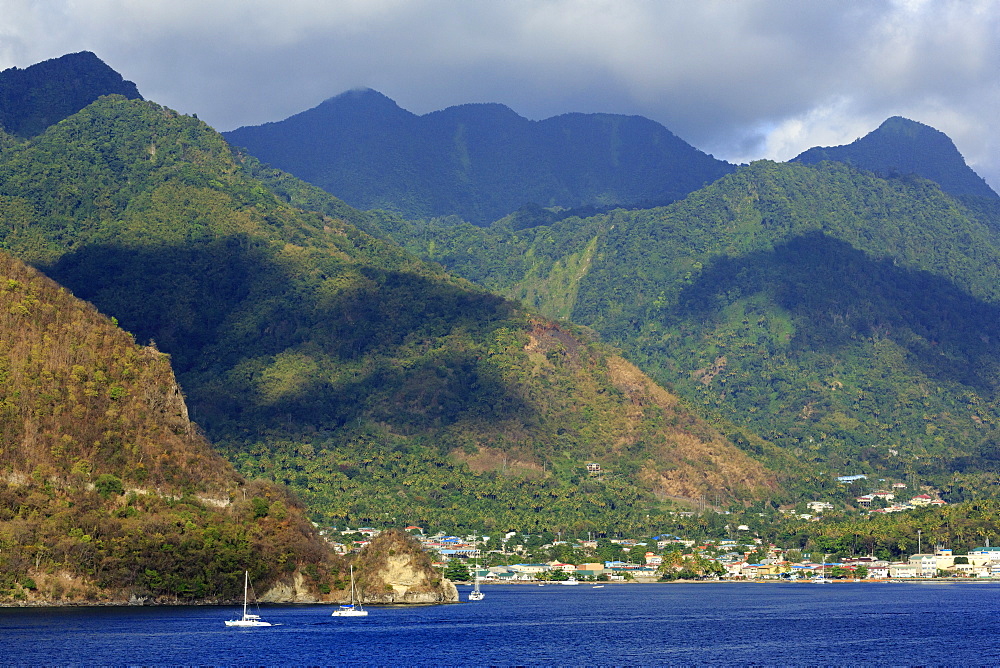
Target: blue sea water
{"x":888,"y":624}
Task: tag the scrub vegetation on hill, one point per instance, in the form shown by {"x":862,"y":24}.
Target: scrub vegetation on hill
{"x":108,"y":492}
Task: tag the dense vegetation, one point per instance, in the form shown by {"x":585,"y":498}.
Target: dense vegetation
{"x":373,"y":383}
{"x":107,"y":491}
{"x":892,"y":536}
{"x":900,"y":147}
{"x":36,"y":97}
{"x":847,"y":318}
{"x":478,"y":161}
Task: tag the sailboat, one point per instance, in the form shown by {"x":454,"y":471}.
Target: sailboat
{"x":822,"y":579}
{"x":351,"y":609}
{"x":247,"y":619}
{"x":475,"y":594}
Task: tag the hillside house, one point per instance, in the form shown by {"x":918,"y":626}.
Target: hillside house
{"x":819,"y":506}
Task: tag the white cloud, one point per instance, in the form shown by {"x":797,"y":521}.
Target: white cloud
{"x":743,"y":80}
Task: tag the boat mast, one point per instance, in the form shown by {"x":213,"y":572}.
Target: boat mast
{"x":246,"y":584}
{"x":475,"y":564}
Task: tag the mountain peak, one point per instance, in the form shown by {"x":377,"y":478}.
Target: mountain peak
{"x":360,"y":96}
{"x":479,"y":161}
{"x":356,"y":107}
{"x":43,"y":94}
{"x":901,"y":124}
{"x":903,"y":146}
{"x":358,"y":102}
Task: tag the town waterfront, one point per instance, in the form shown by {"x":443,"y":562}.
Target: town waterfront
{"x":636,"y":624}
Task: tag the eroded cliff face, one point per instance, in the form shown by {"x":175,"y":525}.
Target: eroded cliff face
{"x":394,"y":568}
{"x":292,"y":589}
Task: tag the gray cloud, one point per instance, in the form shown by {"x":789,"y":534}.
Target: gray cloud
{"x":743,"y":80}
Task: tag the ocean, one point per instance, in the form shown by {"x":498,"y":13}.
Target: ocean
{"x":898,"y":624}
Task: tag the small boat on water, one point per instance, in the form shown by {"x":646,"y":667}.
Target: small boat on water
{"x":476,"y":594}
{"x":821,"y":578}
{"x":598,"y":587}
{"x":351,"y":609}
{"x":571,"y":581}
{"x":248,"y":619}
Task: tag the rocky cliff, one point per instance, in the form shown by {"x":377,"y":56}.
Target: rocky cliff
{"x":393,"y":568}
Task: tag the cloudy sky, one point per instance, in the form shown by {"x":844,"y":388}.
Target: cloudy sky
{"x":741,"y":79}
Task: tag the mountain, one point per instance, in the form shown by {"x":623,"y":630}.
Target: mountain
{"x":850,"y":320}
{"x":34,"y":98}
{"x":899,"y":147}
{"x":109,"y":493}
{"x":380,"y":388}
{"x":477,"y":161}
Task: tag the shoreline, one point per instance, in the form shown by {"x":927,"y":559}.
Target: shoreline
{"x":196,"y":604}
{"x":747,"y":581}
{"x":144,"y":603}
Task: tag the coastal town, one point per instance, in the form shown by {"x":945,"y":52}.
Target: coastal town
{"x":699,"y":555}
{"x":668,"y":558}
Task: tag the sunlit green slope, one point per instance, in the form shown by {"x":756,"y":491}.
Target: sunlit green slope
{"x":378,"y":386}
{"x":849,"y":318}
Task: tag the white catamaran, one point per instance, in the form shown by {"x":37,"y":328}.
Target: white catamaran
{"x":352,"y":609}
{"x":247,"y":619}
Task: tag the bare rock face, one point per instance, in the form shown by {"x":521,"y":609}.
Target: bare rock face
{"x":394,"y":568}
{"x":290,"y":590}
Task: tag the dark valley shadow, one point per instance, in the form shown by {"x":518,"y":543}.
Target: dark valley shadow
{"x":264,"y":344}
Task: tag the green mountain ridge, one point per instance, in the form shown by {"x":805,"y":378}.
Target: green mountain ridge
{"x":823,"y":319}
{"x":848,"y":319}
{"x":900,"y":146}
{"x":477,"y":161}
{"x":381,"y":389}
{"x":36,"y":97}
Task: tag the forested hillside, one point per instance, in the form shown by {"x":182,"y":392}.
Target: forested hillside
{"x":108,"y":491}
{"x":377,"y":386}
{"x":36,"y":97}
{"x":900,"y":147}
{"x":849,"y":319}
{"x":478,"y":161}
